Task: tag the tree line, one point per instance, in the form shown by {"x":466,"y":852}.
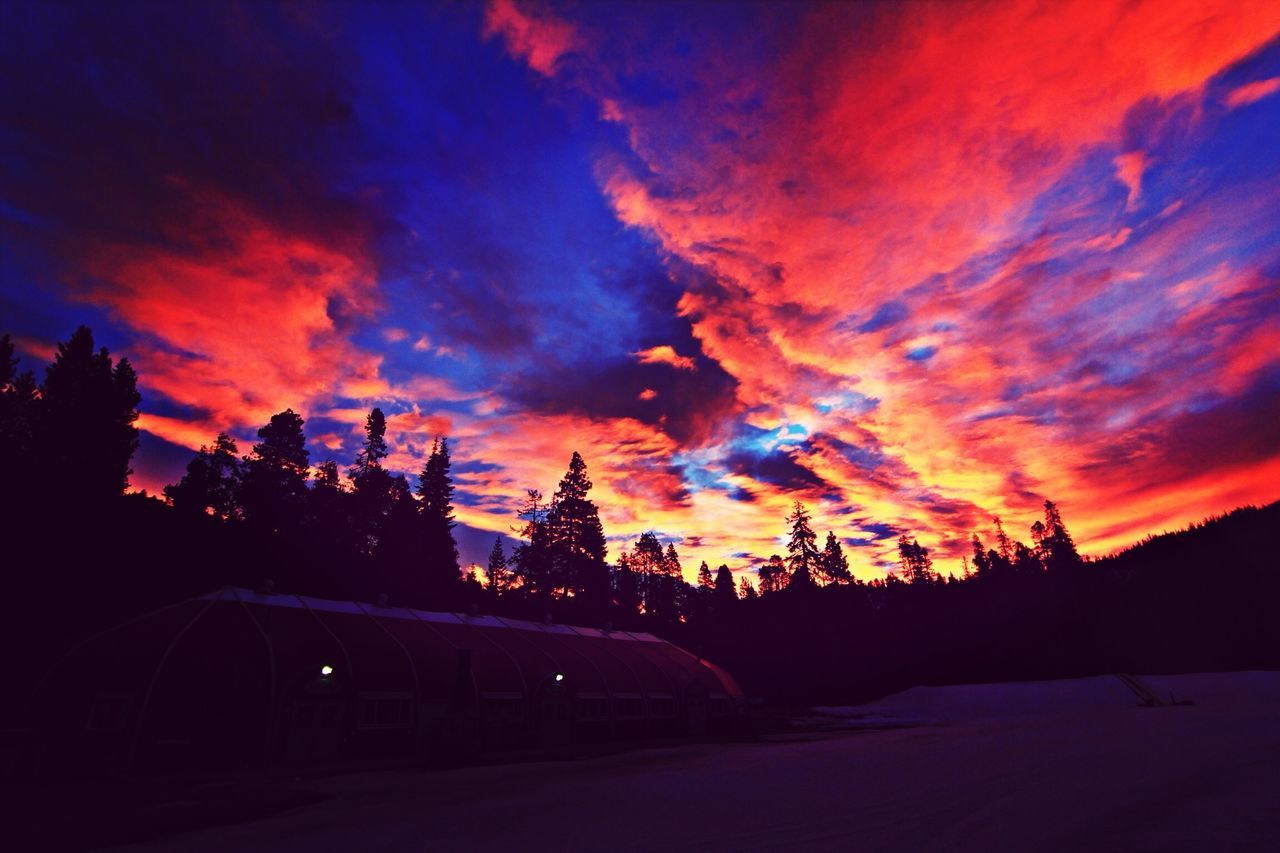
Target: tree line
{"x":806,"y":625}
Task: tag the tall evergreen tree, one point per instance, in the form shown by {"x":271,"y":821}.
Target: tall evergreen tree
{"x":833,"y":564}
{"x":917,"y":567}
{"x":273,"y":491}
{"x":746,"y":592}
{"x":705,"y":581}
{"x":981,"y":562}
{"x":1058,"y":547}
{"x":211,"y":484}
{"x":86,"y":433}
{"x":725,"y":594}
{"x":375,"y":492}
{"x":773,"y":576}
{"x":497,"y":574}
{"x":657,"y":584}
{"x":1003,"y":541}
{"x":576,"y":539}
{"x":374,"y":448}
{"x":531,"y":560}
{"x":439,"y":551}
{"x":802,"y":548}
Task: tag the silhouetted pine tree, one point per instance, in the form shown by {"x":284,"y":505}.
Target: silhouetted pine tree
{"x":833,"y":565}
{"x":917,"y":568}
{"x":273,"y":493}
{"x":211,"y":485}
{"x":725,"y":595}
{"x":498,"y":575}
{"x":374,"y":492}
{"x":1003,"y":541}
{"x":576,"y":540}
{"x":705,"y":581}
{"x":773,"y":576}
{"x":1057,"y":546}
{"x":746,"y":592}
{"x":87,"y":408}
{"x":531,"y":561}
{"x":657,"y":585}
{"x":802,"y":548}
{"x":981,"y":561}
{"x":439,"y":551}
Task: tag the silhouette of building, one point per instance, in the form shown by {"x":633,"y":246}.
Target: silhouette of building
{"x":239,"y":677}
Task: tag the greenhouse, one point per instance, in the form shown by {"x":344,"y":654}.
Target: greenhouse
{"x":239,"y":677}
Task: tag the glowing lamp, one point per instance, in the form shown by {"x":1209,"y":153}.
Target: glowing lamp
{"x":326,"y":671}
{"x":559,"y":677}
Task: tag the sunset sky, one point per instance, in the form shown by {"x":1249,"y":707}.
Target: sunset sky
{"x":913,"y":264}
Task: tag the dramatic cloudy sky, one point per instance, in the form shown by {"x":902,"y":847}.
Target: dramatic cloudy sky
{"x":913,"y":264}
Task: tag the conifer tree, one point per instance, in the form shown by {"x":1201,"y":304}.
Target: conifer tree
{"x":211,"y":484}
{"x":833,"y":564}
{"x":576,"y":539}
{"x":497,"y":571}
{"x":773,"y":576}
{"x":746,"y":592}
{"x":917,"y":567}
{"x":439,"y":551}
{"x":375,"y":492}
{"x":273,"y":491}
{"x":1057,"y":545}
{"x":725,"y":594}
{"x":532,"y":558}
{"x":802,"y":548}
{"x":374,"y":449}
{"x":705,"y":581}
{"x":1003,"y":541}
{"x":86,"y":413}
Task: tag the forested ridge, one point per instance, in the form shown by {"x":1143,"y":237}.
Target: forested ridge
{"x":80,"y":554}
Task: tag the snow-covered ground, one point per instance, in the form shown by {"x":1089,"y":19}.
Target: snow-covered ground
{"x":1067,"y":765}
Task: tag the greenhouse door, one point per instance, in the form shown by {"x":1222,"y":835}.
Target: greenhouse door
{"x":315,"y":729}
{"x":552,"y":708}
{"x":695,"y":709}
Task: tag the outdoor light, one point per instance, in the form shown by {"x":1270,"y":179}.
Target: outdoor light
{"x":326,"y":671}
{"x":559,"y":677}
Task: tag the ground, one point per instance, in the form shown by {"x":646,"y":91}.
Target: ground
{"x":1066,"y":771}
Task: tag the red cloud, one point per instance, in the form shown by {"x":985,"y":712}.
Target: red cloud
{"x":238,"y":319}
{"x":539,"y":40}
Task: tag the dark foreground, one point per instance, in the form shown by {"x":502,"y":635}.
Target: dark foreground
{"x":1204,"y":777}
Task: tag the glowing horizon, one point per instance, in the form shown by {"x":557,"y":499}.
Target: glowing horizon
{"x":914,"y":265}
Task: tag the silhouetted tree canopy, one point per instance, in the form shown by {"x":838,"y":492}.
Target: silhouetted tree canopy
{"x":1197,"y":599}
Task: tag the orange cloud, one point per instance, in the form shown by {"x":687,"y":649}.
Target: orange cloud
{"x":664,"y":354}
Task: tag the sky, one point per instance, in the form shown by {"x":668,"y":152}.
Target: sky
{"x":912,"y":264}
